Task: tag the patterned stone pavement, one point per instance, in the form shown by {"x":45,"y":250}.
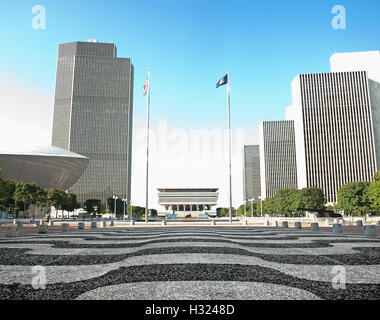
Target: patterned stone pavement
{"x":190,"y":262}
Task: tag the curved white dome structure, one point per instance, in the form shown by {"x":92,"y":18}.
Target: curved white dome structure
{"x":48,"y":167}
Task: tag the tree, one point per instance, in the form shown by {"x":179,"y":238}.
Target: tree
{"x":247,"y":209}
{"x":91,"y":206}
{"x":56,"y":198}
{"x":286,"y":201}
{"x":70,"y":203}
{"x":26,"y":194}
{"x":374,"y":193}
{"x":311,"y":199}
{"x":41,"y":199}
{"x":224,"y":212}
{"x":7,"y":188}
{"x":353,"y":198}
{"x":119,"y":206}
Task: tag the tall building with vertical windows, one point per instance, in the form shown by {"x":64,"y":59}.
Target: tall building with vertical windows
{"x":334,"y":130}
{"x":251,"y":173}
{"x":93,"y":116}
{"x":364,"y":61}
{"x":278,"y":167}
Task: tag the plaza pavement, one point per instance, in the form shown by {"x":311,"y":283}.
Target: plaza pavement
{"x":189,"y":262}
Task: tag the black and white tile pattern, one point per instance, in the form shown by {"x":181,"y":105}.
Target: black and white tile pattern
{"x":191,"y":262}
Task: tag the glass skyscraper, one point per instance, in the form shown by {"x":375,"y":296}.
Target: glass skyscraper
{"x":93,"y":116}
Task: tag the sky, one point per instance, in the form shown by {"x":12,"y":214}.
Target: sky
{"x":188,"y":44}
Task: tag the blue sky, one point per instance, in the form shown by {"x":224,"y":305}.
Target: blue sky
{"x":189,"y":44}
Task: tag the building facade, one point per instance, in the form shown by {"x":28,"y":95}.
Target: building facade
{"x":278,"y":167}
{"x":48,"y":167}
{"x":93,"y":116}
{"x":335,"y":139}
{"x":188,"y":202}
{"x":251,"y":173}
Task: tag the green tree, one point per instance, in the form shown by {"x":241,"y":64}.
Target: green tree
{"x":7,"y":189}
{"x":91,"y":206}
{"x":70,"y":203}
{"x":311,"y":199}
{"x":56,"y":198}
{"x":286,"y":201}
{"x":224,"y":212}
{"x":353,"y":198}
{"x":374,"y":194}
{"x":119,"y":206}
{"x":26,"y":194}
{"x":247,"y":209}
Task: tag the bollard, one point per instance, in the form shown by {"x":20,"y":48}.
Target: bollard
{"x":132,"y":222}
{"x":245,"y":223}
{"x":65,"y":227}
{"x":274,"y":223}
{"x":315,"y":226}
{"x":213,"y":223}
{"x":359,"y":223}
{"x":163,"y":223}
{"x":370,"y":231}
{"x":103,"y":224}
{"x":11,"y":232}
{"x":112,"y":223}
{"x":51,"y":223}
{"x":266,"y":223}
{"x":94,"y":225}
{"x":297,"y":225}
{"x":337,"y":228}
{"x":80,"y":225}
{"x":42,"y":229}
{"x":285,"y":224}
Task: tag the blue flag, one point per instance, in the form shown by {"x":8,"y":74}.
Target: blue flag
{"x":222,"y":81}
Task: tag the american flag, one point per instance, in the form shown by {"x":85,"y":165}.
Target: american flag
{"x":146,"y":87}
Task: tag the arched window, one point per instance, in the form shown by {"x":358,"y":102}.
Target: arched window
{"x":180,"y":208}
{"x":194,"y":208}
{"x":174,"y":208}
{"x":207,"y":207}
{"x":187,"y":208}
{"x":200,"y":208}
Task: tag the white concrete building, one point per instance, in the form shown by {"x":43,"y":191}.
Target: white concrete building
{"x":334,"y":130}
{"x":188,"y":203}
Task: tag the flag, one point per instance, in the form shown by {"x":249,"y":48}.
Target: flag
{"x":146,"y":87}
{"x":222,"y":81}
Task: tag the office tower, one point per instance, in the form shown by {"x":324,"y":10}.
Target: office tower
{"x":334,"y":130}
{"x":93,"y":116}
{"x":278,"y":168}
{"x":364,"y":61}
{"x":251,"y":173}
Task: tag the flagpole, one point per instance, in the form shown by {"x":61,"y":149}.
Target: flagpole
{"x":147,"y":151}
{"x":229,"y":139}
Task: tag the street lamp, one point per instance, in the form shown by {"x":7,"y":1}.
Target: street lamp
{"x":114,"y":208}
{"x":124,"y":200}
